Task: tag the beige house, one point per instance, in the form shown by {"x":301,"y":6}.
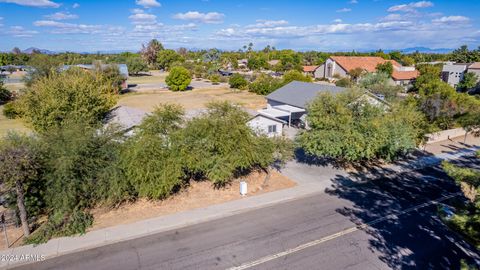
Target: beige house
{"x":339,"y":66}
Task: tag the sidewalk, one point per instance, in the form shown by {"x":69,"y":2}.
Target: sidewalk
{"x":311,"y":182}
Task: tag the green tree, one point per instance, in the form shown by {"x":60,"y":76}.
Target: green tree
{"x":153,"y":159}
{"x":166,"y":58}
{"x":237,"y":81}
{"x":295,"y":75}
{"x":386,"y":67}
{"x":464,"y":55}
{"x":80,"y":164}
{"x":220,"y":145}
{"x":347,"y":128}
{"x":110,"y":75}
{"x":71,"y":94}
{"x":378,"y":83}
{"x":265,"y":84}
{"x":178,"y":79}
{"x":468,"y":82}
{"x":257,"y":63}
{"x":19,"y":166}
{"x":136,"y":65}
{"x":290,"y":60}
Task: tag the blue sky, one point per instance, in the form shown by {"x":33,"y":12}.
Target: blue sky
{"x":336,"y":25}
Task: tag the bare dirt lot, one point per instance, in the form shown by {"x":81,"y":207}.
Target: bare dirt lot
{"x":197,"y":195}
{"x":192,"y":99}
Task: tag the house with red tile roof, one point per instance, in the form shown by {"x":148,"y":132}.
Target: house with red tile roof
{"x":310,"y":70}
{"x":339,"y":66}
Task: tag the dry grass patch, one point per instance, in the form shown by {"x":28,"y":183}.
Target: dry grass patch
{"x":153,"y":77}
{"x":193,"y":99}
{"x":197,"y":195}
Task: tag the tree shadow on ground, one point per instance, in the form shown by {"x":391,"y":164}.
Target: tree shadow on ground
{"x":411,"y":238}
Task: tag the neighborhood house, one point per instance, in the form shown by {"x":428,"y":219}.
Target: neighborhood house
{"x":342,"y":65}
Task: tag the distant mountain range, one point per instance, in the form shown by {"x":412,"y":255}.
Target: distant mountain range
{"x":32,"y":49}
{"x":423,"y":50}
{"x":406,"y":50}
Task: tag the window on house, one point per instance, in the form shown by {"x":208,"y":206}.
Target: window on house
{"x":272,"y":129}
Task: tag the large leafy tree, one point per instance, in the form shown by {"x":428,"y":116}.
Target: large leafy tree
{"x":153,"y":159}
{"x":378,"y":83}
{"x":80,"y":172}
{"x":20,"y":166}
{"x":166,"y":58}
{"x":468,"y":82}
{"x":74,"y":94}
{"x":219,"y":145}
{"x":265,"y":84}
{"x":136,"y":65}
{"x":178,"y":79}
{"x":347,"y":128}
{"x":386,"y":67}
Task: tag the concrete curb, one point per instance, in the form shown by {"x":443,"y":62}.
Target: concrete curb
{"x":67,"y":245}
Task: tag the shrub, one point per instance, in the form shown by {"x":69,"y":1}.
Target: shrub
{"x":5,"y":95}
{"x":214,"y":78}
{"x":344,"y":82}
{"x":237,"y":81}
{"x":10,"y":110}
{"x":265,"y":84}
{"x":295,"y":75}
{"x":178,"y":79}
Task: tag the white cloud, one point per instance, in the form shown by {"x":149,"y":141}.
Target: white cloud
{"x":19,"y":31}
{"x":143,"y":18}
{"x":148,"y":3}
{"x":76,"y":5}
{"x":452,"y":19}
{"x":344,"y":10}
{"x":353,"y":2}
{"x":72,"y":28}
{"x":195,"y":16}
{"x":411,"y":7}
{"x":61,"y":16}
{"x":33,"y":3}
{"x":268,"y":23}
{"x":137,"y":10}
{"x":337,"y":20}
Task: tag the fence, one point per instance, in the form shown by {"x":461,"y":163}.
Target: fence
{"x":444,"y":135}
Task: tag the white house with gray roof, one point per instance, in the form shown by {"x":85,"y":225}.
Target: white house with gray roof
{"x":289,"y":103}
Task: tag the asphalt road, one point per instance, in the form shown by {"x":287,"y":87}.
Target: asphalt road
{"x":324,"y":231}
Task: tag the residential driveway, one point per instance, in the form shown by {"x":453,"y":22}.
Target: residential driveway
{"x":312,"y":174}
